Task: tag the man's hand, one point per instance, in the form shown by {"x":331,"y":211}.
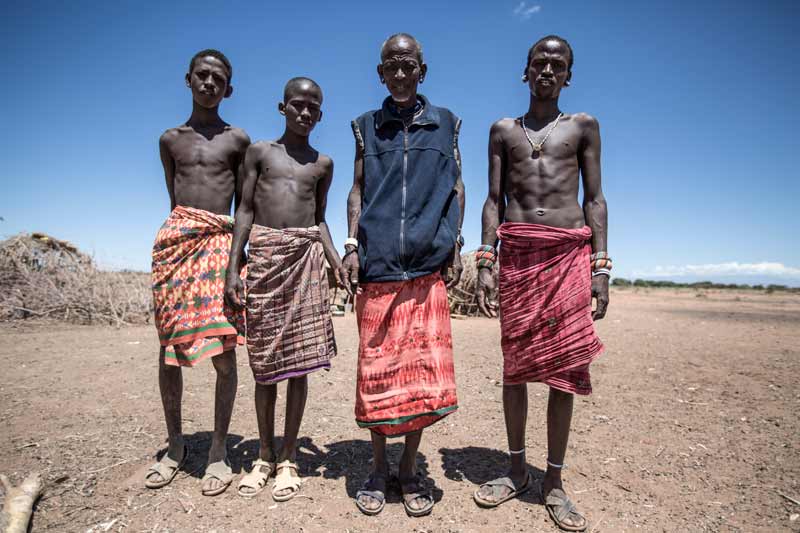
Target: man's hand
{"x":340,"y":276}
{"x":600,"y":293}
{"x":234,"y":291}
{"x":486,"y":290}
{"x":452,"y":269}
{"x":349,"y":271}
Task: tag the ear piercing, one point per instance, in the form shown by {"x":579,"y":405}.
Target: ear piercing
{"x":524,"y":78}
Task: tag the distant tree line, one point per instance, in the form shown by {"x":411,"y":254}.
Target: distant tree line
{"x":622,"y":282}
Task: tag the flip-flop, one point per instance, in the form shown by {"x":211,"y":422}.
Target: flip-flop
{"x":256,"y":479}
{"x":502,"y":482}
{"x":285,"y":480}
{"x":375,"y":488}
{"x":166,"y":468}
{"x":220,"y":470}
{"x":413,"y":489}
{"x":559,"y":507}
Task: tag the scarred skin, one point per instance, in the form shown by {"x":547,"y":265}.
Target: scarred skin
{"x":201,"y":160}
{"x":542,"y":188}
{"x":401,"y":70}
{"x":285,"y":186}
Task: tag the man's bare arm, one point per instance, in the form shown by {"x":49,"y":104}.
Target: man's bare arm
{"x":595,"y":210}
{"x":354,"y":198}
{"x":594,"y":203}
{"x":243,"y":141}
{"x":234,"y":289}
{"x":495,"y":205}
{"x":169,"y":167}
{"x":323,"y":185}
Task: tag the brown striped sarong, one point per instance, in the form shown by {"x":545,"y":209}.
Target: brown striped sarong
{"x":289,"y":327}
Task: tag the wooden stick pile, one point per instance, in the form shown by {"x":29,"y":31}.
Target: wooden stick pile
{"x":43,"y":277}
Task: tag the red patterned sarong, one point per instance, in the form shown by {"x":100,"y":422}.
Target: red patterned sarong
{"x":406,"y":380}
{"x":546,"y":306}
{"x":190,"y":259}
{"x":289,"y":327}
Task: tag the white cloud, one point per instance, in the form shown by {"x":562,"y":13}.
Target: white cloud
{"x":525,"y":11}
{"x":778,"y":270}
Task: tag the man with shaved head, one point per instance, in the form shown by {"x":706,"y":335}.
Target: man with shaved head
{"x":404,"y":235}
{"x":289,"y":328}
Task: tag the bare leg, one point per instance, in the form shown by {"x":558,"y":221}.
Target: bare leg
{"x":559,"y":418}
{"x":170,"y":382}
{"x":408,"y":466}
{"x":379,"y":466}
{"x":296,"y":394}
{"x":265,"y":413}
{"x":515,"y":409}
{"x":225,"y":365}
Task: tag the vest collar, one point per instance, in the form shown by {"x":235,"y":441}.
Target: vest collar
{"x":429,"y":114}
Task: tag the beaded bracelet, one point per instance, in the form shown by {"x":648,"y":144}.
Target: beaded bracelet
{"x":600,"y":262}
{"x":485,"y":256}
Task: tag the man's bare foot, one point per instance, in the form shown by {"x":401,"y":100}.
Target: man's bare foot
{"x":497,"y":491}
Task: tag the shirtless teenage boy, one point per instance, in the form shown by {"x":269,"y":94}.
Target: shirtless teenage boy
{"x":201,"y":160}
{"x":289,"y":328}
{"x":553,"y":260}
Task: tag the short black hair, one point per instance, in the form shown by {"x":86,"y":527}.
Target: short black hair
{"x":551,"y":38}
{"x":406,"y":36}
{"x":294,"y":82}
{"x":212,"y":53}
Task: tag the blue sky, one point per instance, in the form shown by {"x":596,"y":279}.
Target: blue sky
{"x":696,"y":101}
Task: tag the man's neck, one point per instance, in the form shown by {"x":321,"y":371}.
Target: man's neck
{"x":204,"y":117}
{"x":411,"y":102}
{"x":294,"y":141}
{"x":543,"y":110}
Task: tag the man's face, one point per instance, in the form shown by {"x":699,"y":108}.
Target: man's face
{"x":401,"y":70}
{"x":302,"y":108}
{"x":548,"y":70}
{"x":209,"y":81}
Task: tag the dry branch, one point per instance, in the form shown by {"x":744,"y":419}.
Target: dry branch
{"x":19,"y":501}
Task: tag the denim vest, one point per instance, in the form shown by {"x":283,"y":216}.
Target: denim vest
{"x":409,"y":212}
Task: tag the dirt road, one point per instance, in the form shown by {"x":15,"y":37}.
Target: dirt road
{"x":693,"y":426}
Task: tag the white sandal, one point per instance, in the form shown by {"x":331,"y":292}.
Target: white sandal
{"x":256,"y":480}
{"x":285,"y":480}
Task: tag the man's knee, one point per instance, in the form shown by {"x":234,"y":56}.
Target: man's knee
{"x":299,"y":382}
{"x":225,"y":363}
{"x":560,"y":396}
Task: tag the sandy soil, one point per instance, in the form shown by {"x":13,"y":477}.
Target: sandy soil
{"x":692,"y":427}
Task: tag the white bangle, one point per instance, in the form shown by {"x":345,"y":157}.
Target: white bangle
{"x":601,"y":272}
{"x":351,"y":241}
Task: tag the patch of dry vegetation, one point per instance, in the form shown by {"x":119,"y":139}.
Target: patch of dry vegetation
{"x":44,"y":277}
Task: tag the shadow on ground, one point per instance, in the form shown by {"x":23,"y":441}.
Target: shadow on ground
{"x":479,"y":465}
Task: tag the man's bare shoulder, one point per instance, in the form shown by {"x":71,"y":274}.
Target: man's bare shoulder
{"x":325,"y":161}
{"x":503,"y":126}
{"x":260,"y":149}
{"x":171,"y":135}
{"x":585,"y":121}
{"x":239,"y":136}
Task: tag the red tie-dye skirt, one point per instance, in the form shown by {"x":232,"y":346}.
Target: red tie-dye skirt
{"x":406,"y":379}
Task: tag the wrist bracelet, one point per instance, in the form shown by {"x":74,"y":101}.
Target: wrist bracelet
{"x":602,"y":272}
{"x":352,"y":241}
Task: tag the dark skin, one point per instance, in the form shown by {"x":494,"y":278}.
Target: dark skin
{"x":286,"y":185}
{"x":543,"y":189}
{"x":201,"y":160}
{"x":401,"y":70}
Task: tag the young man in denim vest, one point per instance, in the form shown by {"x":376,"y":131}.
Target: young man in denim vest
{"x":404,"y":226}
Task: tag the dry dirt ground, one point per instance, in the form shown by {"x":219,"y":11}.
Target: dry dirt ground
{"x":693,"y":426}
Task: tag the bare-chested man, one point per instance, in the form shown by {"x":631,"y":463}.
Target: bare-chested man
{"x":289,"y":328}
{"x":553,"y":259}
{"x":201,"y":159}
